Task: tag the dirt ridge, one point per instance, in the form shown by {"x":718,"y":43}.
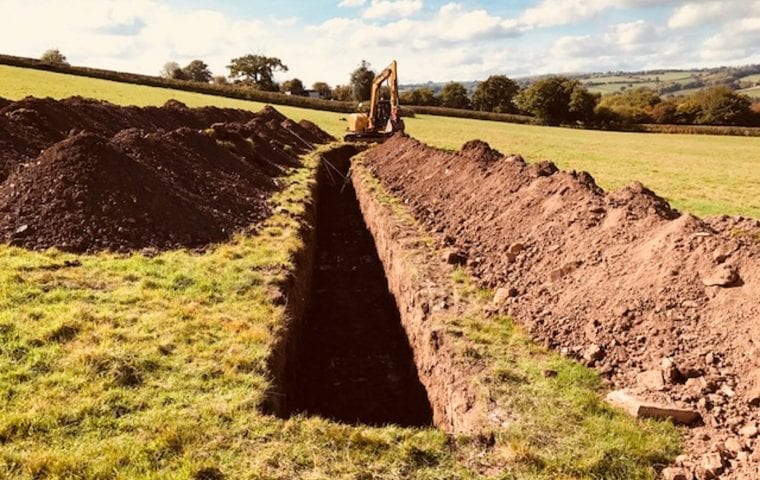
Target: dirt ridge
{"x":662,"y":303}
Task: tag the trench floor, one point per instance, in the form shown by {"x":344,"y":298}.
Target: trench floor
{"x":354,"y":361}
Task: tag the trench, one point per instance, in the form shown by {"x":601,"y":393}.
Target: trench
{"x":351,"y":361}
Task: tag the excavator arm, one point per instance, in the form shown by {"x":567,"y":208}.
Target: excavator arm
{"x":391,"y":75}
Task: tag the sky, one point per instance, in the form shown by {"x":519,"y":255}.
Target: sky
{"x":324,"y":40}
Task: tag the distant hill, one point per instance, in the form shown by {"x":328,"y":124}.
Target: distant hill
{"x":745,"y":79}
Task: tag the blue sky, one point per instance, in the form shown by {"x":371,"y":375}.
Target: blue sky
{"x":432,"y":40}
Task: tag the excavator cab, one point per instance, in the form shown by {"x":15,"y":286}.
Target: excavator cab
{"x":383,"y":119}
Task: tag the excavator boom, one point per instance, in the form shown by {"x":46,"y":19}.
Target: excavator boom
{"x":383,"y":119}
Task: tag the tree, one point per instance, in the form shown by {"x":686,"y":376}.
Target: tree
{"x":343,"y":93}
{"x":665,"y":112}
{"x":420,"y":96}
{"x":323,"y":89}
{"x":361,"y":82}
{"x":556,"y":100}
{"x":717,"y":106}
{"x":258,"y":70}
{"x":55,"y":56}
{"x":294,"y":86}
{"x":496,"y":94}
{"x":197,"y":71}
{"x":454,"y":95}
{"x":633,"y":105}
{"x":220,"y":80}
{"x":582,"y":104}
{"x":172,"y":70}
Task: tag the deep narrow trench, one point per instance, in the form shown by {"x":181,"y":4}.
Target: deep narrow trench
{"x":354,"y":363}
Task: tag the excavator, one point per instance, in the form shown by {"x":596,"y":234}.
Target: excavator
{"x":383,"y":119}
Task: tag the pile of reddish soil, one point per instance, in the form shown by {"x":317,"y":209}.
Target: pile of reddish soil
{"x":662,"y":303}
{"x":83,"y":175}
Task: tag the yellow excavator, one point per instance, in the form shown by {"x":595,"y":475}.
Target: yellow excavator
{"x":383,"y":119}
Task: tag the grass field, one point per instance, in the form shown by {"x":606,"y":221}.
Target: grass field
{"x":752,"y":92}
{"x":135,"y":367}
{"x":607,"y":84}
{"x":701,"y":174}
{"x":751,"y":78}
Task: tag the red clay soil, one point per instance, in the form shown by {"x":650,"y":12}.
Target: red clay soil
{"x":83,"y":175}
{"x":662,"y":303}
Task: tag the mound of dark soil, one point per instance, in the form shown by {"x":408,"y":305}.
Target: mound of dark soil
{"x":662,"y":303}
{"x":34,"y":124}
{"x":86,"y":176}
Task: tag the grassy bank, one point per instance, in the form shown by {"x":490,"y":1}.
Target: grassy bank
{"x":701,"y":174}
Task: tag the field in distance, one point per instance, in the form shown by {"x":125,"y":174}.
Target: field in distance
{"x":701,"y":174}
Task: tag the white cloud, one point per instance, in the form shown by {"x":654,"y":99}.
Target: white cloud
{"x":352,"y":3}
{"x":624,"y":45}
{"x":453,"y":42}
{"x":392,"y":8}
{"x":549,"y":13}
{"x":737,"y":41}
{"x":697,"y":13}
{"x":560,"y":12}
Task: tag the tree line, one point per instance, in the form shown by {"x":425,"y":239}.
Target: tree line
{"x":560,"y":100}
{"x":555,"y":100}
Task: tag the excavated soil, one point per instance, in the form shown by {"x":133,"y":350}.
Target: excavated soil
{"x":84,"y":175}
{"x":662,"y":303}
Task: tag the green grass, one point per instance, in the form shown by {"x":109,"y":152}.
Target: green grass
{"x":701,"y":174}
{"x":751,"y":78}
{"x":753,"y":92}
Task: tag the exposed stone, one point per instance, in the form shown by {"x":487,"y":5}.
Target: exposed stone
{"x":727,"y":391}
{"x":643,"y":409}
{"x":748,"y":431}
{"x":500,"y":297}
{"x":734,"y":445}
{"x":753,"y":394}
{"x":516,"y":248}
{"x":711,"y":467}
{"x":593,"y":353}
{"x":723,"y":276}
{"x":454,"y":257}
{"x":670,"y":372}
{"x":676,"y":473}
{"x":651,"y":380}
{"x":682,"y":459}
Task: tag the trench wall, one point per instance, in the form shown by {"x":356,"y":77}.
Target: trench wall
{"x":418,"y":280}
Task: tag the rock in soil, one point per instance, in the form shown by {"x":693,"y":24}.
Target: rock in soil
{"x":642,"y":409}
{"x":676,"y":473}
